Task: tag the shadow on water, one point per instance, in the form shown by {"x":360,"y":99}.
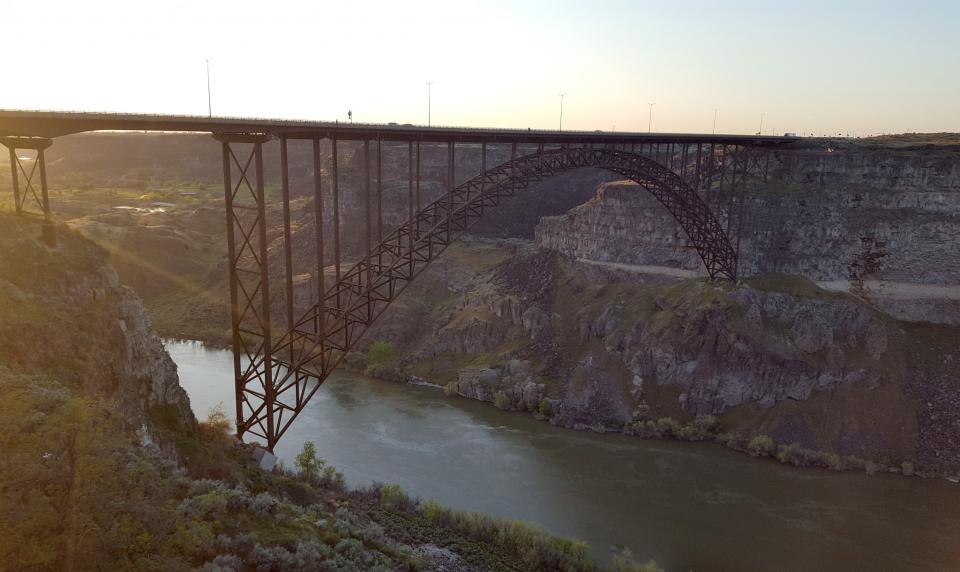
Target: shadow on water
{"x":690,"y":506}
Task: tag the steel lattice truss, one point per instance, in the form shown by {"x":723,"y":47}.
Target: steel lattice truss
{"x":700,"y":179}
{"x":278,"y":382}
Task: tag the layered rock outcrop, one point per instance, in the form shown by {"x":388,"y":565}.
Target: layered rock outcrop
{"x":878,"y":224}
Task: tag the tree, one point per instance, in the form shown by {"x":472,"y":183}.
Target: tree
{"x":307,"y":461}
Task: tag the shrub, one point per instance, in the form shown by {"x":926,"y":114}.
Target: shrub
{"x":906,"y":468}
{"x":707,"y":424}
{"x":452,"y":388}
{"x":667,"y":427}
{"x":264,"y":504}
{"x":761,"y":446}
{"x":217,"y":423}
{"x":392,"y":496}
{"x":501,"y":401}
{"x":545,"y":408}
{"x":380,"y":353}
{"x":223,"y":563}
{"x":833,"y":461}
{"x":307,"y":461}
{"x":623,"y":562}
{"x":433,"y":511}
{"x":332,"y":479}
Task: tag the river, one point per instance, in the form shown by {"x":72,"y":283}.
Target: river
{"x":689,"y":506}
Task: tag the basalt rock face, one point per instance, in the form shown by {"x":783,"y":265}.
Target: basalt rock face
{"x":66,"y":314}
{"x":878,"y":224}
{"x":541,"y":332}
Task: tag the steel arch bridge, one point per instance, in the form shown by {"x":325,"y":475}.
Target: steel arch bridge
{"x":699,"y":179}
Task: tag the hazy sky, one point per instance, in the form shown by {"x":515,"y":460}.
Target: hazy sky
{"x":822,"y":66}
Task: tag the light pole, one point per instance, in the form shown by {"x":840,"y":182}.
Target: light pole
{"x":715,"y":110}
{"x":561,"y":110}
{"x":429,"y":84}
{"x":209,"y":102}
{"x":761,"y":125}
{"x":650,"y":119}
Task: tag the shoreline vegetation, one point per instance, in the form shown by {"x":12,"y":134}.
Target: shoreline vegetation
{"x":385,"y":518}
{"x":380,"y":362}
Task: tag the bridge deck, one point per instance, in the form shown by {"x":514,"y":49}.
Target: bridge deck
{"x":58,"y":123}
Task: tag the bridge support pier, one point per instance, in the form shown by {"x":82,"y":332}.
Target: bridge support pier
{"x":38,"y":169}
{"x":249,"y":282}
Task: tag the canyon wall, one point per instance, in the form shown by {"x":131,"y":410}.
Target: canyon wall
{"x":879,"y":223}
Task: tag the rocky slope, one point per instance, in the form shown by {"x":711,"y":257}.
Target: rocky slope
{"x":63,"y":312}
{"x":601,"y":348}
{"x":81,"y":372}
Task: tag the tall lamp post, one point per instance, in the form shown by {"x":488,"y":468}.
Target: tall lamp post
{"x":209,"y":101}
{"x":561,"y":110}
{"x":650,"y":119}
{"x":429,"y":89}
{"x":715,"y":110}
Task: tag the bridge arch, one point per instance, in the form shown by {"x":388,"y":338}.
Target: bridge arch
{"x":304,"y":356}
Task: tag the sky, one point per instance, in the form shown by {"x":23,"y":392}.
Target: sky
{"x":817,"y":66}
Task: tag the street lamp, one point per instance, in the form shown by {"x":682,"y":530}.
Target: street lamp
{"x":650,"y":119}
{"x":209,"y":104}
{"x":715,"y":110}
{"x":561,"y":110}
{"x":429,"y":83}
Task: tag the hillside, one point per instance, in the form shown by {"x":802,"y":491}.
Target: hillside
{"x":106,"y":468}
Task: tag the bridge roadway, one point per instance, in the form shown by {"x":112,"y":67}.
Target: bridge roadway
{"x":49,"y":124}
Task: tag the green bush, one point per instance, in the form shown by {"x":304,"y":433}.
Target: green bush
{"x":381,"y":353}
{"x":761,"y":446}
{"x":307,"y":462}
{"x":544,"y":408}
{"x":667,"y":427}
{"x":707,"y":424}
{"x":501,"y":401}
{"x":392,"y":496}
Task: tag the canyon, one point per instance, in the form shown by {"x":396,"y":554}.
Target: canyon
{"x":584,"y":305}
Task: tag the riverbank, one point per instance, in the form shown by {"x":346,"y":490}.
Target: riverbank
{"x":687,"y":505}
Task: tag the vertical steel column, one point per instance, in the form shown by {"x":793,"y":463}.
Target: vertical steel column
{"x":410,"y":212}
{"x":234,"y":303}
{"x":451,"y":169}
{"x":318,"y":231}
{"x":699,"y":166}
{"x":513,"y":168}
{"x":368,"y":227}
{"x":483,"y":172}
{"x":451,"y":176}
{"x":49,"y":234}
{"x":270,"y":390}
{"x":683,"y":163}
{"x":287,"y":246}
{"x":15,"y":171}
{"x":336,"y":212}
{"x":418,"y":177}
{"x":379,"y":192}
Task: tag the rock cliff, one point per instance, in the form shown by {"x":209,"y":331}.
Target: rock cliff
{"x":604,"y":348}
{"x":65,"y":313}
{"x":878,"y":223}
